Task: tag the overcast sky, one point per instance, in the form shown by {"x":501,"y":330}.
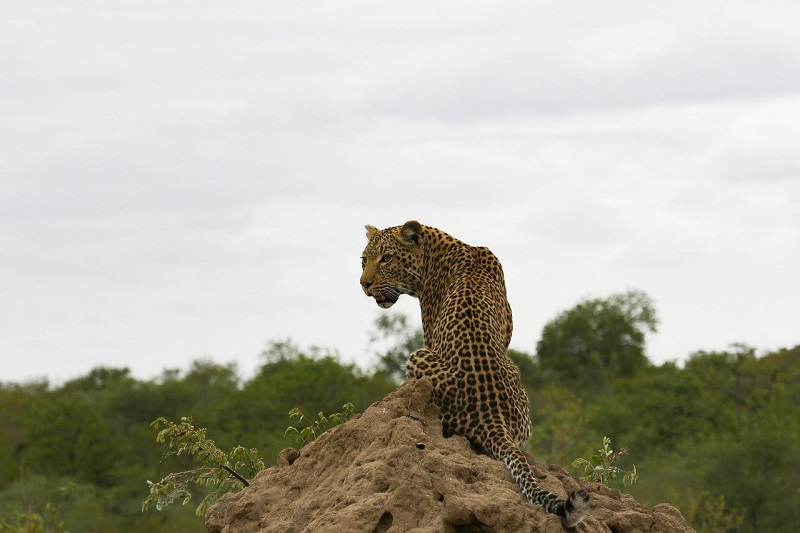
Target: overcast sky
{"x":182,"y":179}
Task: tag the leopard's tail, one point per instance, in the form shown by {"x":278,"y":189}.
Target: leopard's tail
{"x":572,"y":510}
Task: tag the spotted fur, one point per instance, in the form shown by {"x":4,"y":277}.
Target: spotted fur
{"x":467,"y":326}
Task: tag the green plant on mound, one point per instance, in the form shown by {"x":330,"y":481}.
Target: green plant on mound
{"x":600,"y":467}
{"x":320,"y":425}
{"x":220,"y":472}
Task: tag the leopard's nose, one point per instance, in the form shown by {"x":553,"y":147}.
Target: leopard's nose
{"x":366,"y":283}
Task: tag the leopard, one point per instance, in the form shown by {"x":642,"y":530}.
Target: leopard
{"x":467,"y":326}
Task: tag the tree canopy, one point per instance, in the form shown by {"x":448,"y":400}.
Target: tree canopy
{"x":598,"y":340}
{"x":718,"y":437}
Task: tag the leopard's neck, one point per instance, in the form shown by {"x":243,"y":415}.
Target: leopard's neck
{"x":445,"y":261}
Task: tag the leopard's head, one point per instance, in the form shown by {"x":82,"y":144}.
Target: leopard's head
{"x":391,"y":263}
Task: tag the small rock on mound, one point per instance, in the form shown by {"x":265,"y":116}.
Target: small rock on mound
{"x":391,"y":470}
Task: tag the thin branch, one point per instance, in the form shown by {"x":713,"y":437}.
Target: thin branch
{"x":236,"y":475}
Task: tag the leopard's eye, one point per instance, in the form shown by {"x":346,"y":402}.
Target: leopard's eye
{"x":385,"y":258}
{"x":363,"y":261}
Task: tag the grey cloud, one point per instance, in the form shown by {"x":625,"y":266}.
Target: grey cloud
{"x":537,"y":78}
{"x":762,"y":145}
{"x":215,"y":158}
{"x":579,"y":223}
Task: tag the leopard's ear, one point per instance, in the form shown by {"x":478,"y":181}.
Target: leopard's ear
{"x":371,"y":231}
{"x":411,"y":233}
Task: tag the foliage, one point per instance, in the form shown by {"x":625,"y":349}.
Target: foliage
{"x":598,"y":341}
{"x":68,"y":436}
{"x":754,"y":468}
{"x":601,"y":468}
{"x":560,"y":424}
{"x":712,"y":514}
{"x":38,"y":517}
{"x":221,"y":473}
{"x":44,"y":521}
{"x":530,"y":371}
{"x":718,"y":437}
{"x":320,"y":425}
{"x":315,"y":381}
{"x":656,"y":409}
{"x":730,"y":426}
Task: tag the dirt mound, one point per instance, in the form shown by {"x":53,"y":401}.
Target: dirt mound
{"x":390,"y":470}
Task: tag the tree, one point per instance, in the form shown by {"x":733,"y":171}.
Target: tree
{"x":16,"y":404}
{"x":598,"y":340}
{"x":529,"y":370}
{"x":395,"y":330}
{"x":69,"y":437}
{"x":560,"y":425}
{"x":755,"y":468}
{"x":313,"y":380}
{"x":656,"y":410}
{"x":743,"y":383}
